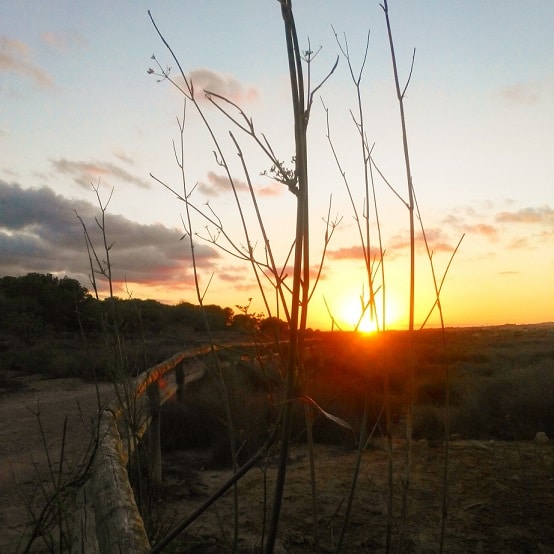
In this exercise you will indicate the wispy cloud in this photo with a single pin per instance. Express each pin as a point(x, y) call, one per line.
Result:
point(482, 229)
point(15, 57)
point(459, 223)
point(225, 85)
point(39, 231)
point(62, 42)
point(469, 220)
point(436, 240)
point(351, 253)
point(520, 243)
point(543, 215)
point(287, 273)
point(273, 189)
point(86, 172)
point(240, 279)
point(521, 93)
point(124, 157)
point(219, 184)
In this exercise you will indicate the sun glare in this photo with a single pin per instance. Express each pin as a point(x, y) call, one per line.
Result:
point(367, 325)
point(351, 313)
point(352, 310)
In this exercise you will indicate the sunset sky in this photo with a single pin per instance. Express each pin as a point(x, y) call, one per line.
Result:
point(78, 106)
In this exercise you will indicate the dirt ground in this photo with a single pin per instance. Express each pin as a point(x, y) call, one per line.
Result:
point(501, 494)
point(23, 457)
point(500, 500)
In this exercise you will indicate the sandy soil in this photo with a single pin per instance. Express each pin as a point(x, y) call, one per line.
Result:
point(23, 459)
point(500, 500)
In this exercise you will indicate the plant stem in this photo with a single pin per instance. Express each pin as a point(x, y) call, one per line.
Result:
point(299, 289)
point(411, 378)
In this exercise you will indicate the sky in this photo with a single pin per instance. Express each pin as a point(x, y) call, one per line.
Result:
point(81, 112)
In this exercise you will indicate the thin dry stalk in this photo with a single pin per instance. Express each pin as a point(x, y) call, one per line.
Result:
point(64, 481)
point(411, 379)
point(437, 303)
point(189, 95)
point(372, 270)
point(235, 478)
point(200, 298)
point(133, 414)
point(300, 256)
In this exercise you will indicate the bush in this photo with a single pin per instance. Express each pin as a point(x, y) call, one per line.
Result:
point(189, 425)
point(201, 421)
point(428, 423)
point(513, 405)
point(11, 384)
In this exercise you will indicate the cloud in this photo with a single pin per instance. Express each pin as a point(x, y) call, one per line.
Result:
point(482, 229)
point(39, 231)
point(287, 274)
point(519, 243)
point(61, 42)
point(230, 277)
point(436, 240)
point(460, 225)
point(351, 253)
point(503, 221)
point(84, 173)
point(520, 93)
point(543, 215)
point(219, 184)
point(225, 85)
point(273, 189)
point(15, 58)
point(239, 278)
point(122, 156)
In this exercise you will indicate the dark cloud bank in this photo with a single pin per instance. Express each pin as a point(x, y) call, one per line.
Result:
point(40, 232)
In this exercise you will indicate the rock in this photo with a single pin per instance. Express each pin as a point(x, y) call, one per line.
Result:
point(542, 438)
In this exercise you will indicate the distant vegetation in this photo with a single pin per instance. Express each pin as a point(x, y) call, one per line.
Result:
point(502, 388)
point(54, 326)
point(502, 378)
point(502, 385)
point(37, 304)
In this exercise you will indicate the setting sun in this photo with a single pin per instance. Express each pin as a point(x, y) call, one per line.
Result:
point(350, 316)
point(367, 325)
point(351, 313)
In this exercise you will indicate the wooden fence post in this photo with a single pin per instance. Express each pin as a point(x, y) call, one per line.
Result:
point(180, 381)
point(154, 432)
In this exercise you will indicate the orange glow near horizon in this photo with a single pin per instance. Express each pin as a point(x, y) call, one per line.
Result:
point(486, 306)
point(351, 310)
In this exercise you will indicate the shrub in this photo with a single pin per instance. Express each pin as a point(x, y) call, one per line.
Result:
point(428, 423)
point(188, 425)
point(10, 383)
point(512, 405)
point(200, 421)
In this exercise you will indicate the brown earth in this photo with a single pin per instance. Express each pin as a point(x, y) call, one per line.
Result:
point(500, 493)
point(23, 457)
point(500, 500)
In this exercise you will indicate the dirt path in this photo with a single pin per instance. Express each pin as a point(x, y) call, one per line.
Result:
point(22, 453)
